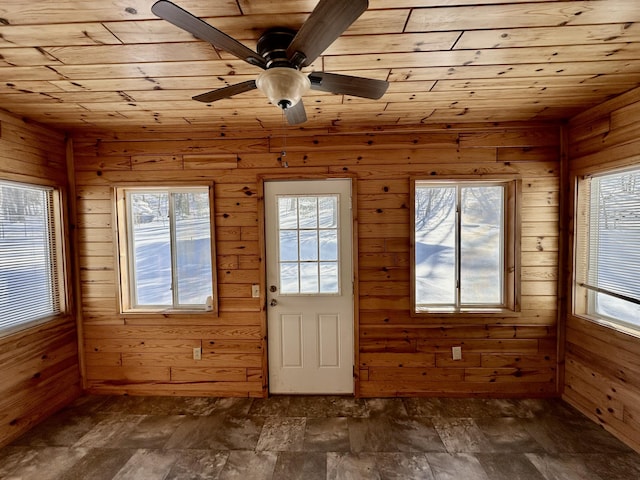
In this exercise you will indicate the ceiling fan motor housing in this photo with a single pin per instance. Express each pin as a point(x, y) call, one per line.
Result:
point(281, 82)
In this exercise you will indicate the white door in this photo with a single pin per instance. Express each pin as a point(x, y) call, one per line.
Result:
point(309, 286)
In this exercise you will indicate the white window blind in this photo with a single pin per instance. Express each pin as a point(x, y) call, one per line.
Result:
point(29, 279)
point(613, 263)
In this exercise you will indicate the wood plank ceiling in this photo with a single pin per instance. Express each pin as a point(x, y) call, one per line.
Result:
point(95, 64)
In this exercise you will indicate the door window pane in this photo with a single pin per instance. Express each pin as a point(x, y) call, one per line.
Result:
point(308, 234)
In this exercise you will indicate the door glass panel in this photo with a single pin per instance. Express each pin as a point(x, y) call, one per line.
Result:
point(329, 277)
point(308, 244)
point(289, 278)
point(328, 245)
point(308, 207)
point(288, 212)
point(308, 278)
point(288, 245)
point(328, 212)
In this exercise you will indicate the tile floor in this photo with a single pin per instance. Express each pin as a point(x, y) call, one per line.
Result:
point(290, 437)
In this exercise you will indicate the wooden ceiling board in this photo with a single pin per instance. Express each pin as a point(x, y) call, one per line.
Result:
point(91, 64)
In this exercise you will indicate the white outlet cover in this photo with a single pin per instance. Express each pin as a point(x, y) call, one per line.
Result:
point(456, 353)
point(255, 291)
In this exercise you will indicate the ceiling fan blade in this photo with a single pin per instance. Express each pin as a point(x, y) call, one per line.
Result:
point(226, 92)
point(327, 22)
point(202, 30)
point(296, 114)
point(348, 85)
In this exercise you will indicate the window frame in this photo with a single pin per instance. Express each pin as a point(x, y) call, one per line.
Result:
point(126, 262)
point(583, 301)
point(58, 251)
point(511, 246)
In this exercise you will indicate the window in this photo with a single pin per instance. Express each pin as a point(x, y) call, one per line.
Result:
point(166, 259)
point(308, 244)
point(31, 256)
point(463, 246)
point(608, 248)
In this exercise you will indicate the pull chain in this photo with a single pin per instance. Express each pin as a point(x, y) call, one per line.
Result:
point(283, 153)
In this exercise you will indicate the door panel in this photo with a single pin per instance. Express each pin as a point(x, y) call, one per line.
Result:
point(310, 286)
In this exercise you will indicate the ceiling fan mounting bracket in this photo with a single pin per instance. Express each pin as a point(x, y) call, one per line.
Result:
point(273, 44)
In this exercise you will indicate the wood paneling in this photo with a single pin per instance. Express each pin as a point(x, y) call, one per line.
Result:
point(39, 365)
point(86, 65)
point(398, 354)
point(602, 364)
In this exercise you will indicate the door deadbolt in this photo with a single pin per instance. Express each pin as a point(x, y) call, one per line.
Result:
point(273, 289)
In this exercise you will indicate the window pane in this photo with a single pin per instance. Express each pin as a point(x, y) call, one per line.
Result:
point(308, 207)
point(481, 251)
point(29, 285)
point(288, 212)
point(308, 245)
point(435, 240)
point(308, 278)
point(193, 247)
point(288, 245)
point(614, 245)
point(151, 249)
point(329, 277)
point(289, 278)
point(328, 212)
point(328, 245)
point(314, 241)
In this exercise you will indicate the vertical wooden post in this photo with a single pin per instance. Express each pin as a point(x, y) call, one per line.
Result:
point(76, 303)
point(564, 267)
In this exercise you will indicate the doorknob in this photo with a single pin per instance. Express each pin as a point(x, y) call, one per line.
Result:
point(274, 302)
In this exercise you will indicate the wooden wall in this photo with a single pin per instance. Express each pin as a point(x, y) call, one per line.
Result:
point(39, 366)
point(398, 354)
point(603, 365)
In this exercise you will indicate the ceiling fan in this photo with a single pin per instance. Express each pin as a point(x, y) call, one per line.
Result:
point(282, 53)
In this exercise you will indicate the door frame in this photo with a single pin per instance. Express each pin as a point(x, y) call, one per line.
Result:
point(263, 269)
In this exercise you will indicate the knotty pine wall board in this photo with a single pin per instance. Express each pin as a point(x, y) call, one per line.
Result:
point(602, 364)
point(398, 354)
point(39, 365)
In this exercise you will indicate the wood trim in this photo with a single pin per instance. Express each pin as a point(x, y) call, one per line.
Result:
point(565, 229)
point(356, 285)
point(74, 259)
point(262, 248)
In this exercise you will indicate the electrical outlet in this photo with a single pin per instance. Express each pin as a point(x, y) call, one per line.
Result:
point(255, 290)
point(456, 353)
point(197, 353)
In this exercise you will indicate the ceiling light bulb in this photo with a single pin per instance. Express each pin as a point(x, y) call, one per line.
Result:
point(283, 86)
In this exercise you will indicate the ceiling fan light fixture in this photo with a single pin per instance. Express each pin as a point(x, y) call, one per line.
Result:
point(283, 86)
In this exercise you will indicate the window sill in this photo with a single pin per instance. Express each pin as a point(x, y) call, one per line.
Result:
point(493, 312)
point(618, 326)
